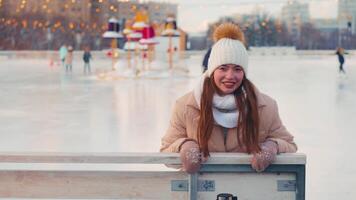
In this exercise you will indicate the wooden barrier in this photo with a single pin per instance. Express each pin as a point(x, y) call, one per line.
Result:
point(144, 176)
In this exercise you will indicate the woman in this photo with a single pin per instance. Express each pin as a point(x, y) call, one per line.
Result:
point(225, 112)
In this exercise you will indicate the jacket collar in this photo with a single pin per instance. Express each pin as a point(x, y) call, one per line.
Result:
point(261, 101)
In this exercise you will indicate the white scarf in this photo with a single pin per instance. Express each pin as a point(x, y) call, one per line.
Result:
point(225, 111)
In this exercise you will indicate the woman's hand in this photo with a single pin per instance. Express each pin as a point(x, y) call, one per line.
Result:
point(260, 161)
point(190, 156)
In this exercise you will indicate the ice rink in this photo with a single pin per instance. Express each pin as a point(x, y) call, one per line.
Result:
point(44, 109)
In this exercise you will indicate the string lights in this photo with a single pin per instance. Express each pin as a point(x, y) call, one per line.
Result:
point(66, 16)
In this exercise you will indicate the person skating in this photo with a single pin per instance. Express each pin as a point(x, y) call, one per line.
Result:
point(340, 55)
point(86, 58)
point(62, 54)
point(69, 59)
point(206, 59)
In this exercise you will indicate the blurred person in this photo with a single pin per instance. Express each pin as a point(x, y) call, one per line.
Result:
point(63, 53)
point(52, 62)
point(86, 58)
point(225, 112)
point(206, 59)
point(340, 55)
point(69, 59)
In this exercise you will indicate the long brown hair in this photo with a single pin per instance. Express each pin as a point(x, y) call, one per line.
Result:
point(248, 120)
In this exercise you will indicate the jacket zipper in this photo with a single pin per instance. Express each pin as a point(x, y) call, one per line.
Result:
point(225, 131)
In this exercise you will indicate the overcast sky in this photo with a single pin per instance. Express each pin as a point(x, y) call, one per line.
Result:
point(194, 15)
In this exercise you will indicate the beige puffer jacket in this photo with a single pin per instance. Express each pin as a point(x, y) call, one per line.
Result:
point(184, 123)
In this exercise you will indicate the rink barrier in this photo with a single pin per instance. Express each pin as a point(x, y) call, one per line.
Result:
point(100, 176)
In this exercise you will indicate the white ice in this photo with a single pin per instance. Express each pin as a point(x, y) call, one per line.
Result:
point(43, 109)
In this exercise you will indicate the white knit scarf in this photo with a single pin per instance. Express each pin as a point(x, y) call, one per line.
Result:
point(224, 107)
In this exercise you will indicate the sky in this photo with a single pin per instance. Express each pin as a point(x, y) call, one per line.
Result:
point(194, 15)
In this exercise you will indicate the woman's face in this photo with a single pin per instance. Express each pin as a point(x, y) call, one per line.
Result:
point(228, 78)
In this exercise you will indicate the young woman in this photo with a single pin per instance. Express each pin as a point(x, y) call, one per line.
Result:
point(226, 112)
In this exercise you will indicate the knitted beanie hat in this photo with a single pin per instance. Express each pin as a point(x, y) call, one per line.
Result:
point(229, 48)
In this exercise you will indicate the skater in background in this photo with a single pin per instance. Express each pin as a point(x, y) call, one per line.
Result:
point(63, 53)
point(69, 59)
point(205, 60)
point(340, 54)
point(86, 58)
point(226, 112)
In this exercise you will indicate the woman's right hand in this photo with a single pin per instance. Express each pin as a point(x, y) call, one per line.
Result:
point(190, 156)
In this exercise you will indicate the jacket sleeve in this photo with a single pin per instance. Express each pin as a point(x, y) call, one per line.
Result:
point(176, 134)
point(280, 134)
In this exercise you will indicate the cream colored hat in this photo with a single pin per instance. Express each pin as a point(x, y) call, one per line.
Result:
point(229, 48)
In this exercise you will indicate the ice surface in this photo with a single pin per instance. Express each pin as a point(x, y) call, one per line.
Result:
point(44, 109)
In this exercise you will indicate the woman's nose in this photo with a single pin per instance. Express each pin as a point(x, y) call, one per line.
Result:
point(230, 73)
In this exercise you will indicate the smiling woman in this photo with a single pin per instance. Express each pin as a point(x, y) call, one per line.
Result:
point(226, 112)
point(228, 78)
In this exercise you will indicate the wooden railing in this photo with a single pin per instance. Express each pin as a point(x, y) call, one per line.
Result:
point(144, 176)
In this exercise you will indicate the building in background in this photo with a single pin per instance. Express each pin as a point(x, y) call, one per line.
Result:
point(197, 41)
point(46, 24)
point(294, 14)
point(76, 10)
point(326, 26)
point(346, 23)
point(347, 15)
point(98, 11)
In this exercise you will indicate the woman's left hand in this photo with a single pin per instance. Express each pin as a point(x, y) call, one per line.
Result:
point(260, 161)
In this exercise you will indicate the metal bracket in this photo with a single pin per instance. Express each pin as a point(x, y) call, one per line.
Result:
point(286, 185)
point(183, 185)
point(179, 185)
point(209, 185)
point(206, 185)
